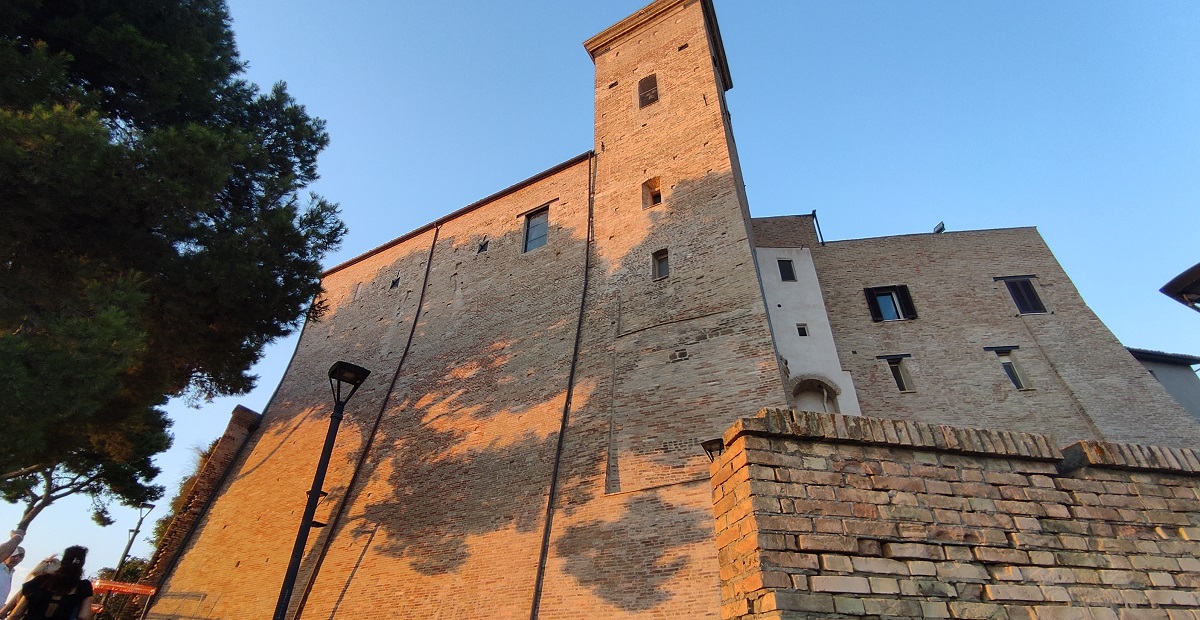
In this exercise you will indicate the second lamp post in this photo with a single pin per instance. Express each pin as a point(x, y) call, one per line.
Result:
point(342, 375)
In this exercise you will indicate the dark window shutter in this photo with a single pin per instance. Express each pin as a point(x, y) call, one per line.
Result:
point(906, 304)
point(1025, 296)
point(873, 304)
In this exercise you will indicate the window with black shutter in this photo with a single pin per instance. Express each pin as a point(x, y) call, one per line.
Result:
point(890, 303)
point(1023, 294)
point(647, 90)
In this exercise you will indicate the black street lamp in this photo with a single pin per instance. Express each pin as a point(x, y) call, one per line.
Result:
point(341, 375)
point(713, 448)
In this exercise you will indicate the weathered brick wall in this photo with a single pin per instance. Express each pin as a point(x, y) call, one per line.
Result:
point(828, 516)
point(1083, 383)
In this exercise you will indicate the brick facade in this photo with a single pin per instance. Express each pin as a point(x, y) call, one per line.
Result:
point(528, 443)
point(829, 516)
point(1082, 384)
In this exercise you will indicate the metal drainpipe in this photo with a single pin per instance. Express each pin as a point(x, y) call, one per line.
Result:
point(362, 457)
point(566, 414)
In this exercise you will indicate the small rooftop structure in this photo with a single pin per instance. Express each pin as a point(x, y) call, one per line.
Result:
point(1185, 288)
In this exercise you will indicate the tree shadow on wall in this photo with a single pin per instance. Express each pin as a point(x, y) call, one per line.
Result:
point(468, 443)
point(628, 562)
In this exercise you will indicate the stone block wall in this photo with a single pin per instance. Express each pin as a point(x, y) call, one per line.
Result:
point(829, 516)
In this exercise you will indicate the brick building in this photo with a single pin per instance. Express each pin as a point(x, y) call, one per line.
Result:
point(547, 361)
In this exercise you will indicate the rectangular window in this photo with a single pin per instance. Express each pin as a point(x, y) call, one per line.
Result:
point(537, 227)
point(661, 265)
point(647, 90)
point(1008, 362)
point(899, 371)
point(1023, 294)
point(890, 303)
point(787, 271)
point(802, 329)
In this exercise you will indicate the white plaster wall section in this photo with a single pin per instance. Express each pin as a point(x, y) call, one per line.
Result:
point(790, 304)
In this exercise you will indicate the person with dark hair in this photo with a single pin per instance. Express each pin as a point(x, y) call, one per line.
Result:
point(60, 595)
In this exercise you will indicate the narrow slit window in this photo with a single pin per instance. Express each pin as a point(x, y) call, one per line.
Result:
point(802, 329)
point(899, 370)
point(647, 90)
point(787, 271)
point(537, 228)
point(661, 264)
point(1008, 363)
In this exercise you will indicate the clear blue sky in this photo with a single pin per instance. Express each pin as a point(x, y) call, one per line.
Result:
point(1079, 117)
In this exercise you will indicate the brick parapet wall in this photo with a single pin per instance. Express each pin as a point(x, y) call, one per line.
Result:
point(827, 516)
point(242, 423)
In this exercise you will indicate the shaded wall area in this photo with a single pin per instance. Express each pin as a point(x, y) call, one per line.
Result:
point(829, 516)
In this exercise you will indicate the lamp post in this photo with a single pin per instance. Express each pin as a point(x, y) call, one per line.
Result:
point(342, 375)
point(144, 509)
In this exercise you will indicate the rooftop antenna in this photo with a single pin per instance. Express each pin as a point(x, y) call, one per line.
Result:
point(941, 227)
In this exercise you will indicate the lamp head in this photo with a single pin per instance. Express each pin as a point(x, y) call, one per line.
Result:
point(147, 506)
point(345, 373)
point(713, 448)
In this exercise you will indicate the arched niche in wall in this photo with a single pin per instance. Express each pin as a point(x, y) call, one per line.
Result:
point(812, 393)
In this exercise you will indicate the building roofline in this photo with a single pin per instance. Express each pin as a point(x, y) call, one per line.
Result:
point(1148, 355)
point(601, 42)
point(471, 207)
point(928, 234)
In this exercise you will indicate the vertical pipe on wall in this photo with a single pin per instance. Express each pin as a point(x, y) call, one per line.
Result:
point(566, 414)
point(362, 457)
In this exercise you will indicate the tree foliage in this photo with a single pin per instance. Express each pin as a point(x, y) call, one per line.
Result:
point(155, 237)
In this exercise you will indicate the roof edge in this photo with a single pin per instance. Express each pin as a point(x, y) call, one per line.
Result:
point(471, 207)
point(600, 43)
point(1149, 355)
